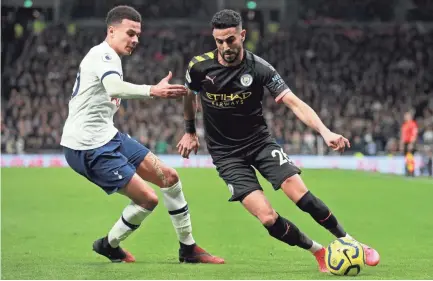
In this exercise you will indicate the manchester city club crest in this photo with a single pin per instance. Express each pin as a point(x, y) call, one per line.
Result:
point(246, 80)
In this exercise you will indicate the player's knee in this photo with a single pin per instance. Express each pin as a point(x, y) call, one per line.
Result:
point(172, 177)
point(268, 217)
point(294, 188)
point(153, 200)
point(149, 200)
point(289, 181)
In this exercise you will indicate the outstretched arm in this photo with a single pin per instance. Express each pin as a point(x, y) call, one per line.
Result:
point(117, 88)
point(282, 93)
point(310, 118)
point(303, 111)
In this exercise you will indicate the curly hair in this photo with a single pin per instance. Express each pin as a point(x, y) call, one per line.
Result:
point(226, 19)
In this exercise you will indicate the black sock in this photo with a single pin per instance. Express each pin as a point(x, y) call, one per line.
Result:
point(321, 214)
point(338, 231)
point(288, 233)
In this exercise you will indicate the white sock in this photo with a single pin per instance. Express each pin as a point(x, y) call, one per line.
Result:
point(348, 236)
point(177, 207)
point(316, 247)
point(131, 218)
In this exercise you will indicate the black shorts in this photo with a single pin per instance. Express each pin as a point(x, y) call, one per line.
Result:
point(407, 150)
point(239, 174)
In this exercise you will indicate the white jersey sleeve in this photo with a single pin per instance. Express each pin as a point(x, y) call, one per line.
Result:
point(91, 109)
point(107, 64)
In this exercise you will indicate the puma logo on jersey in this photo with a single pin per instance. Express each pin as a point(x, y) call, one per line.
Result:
point(211, 79)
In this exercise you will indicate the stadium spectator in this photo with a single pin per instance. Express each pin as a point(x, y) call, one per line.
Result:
point(359, 10)
point(357, 78)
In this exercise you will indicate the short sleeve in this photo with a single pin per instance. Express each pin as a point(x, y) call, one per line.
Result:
point(273, 81)
point(192, 78)
point(107, 63)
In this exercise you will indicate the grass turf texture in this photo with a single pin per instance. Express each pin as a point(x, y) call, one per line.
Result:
point(50, 218)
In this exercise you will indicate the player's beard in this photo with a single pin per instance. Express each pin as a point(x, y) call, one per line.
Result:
point(232, 58)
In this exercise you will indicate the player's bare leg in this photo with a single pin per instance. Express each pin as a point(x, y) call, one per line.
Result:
point(296, 190)
point(143, 201)
point(280, 228)
point(153, 170)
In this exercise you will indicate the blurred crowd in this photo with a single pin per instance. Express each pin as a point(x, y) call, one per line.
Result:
point(358, 10)
point(366, 10)
point(360, 80)
point(149, 9)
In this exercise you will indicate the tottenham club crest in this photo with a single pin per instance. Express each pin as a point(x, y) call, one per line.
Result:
point(246, 80)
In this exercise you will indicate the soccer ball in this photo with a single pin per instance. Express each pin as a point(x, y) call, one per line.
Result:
point(345, 256)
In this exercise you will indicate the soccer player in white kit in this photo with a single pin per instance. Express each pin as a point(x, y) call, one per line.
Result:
point(95, 149)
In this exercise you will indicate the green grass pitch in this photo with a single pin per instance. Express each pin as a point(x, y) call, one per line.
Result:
point(50, 218)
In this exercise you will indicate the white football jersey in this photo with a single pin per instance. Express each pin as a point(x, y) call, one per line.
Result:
point(90, 120)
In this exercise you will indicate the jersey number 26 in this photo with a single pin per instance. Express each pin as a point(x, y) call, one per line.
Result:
point(282, 155)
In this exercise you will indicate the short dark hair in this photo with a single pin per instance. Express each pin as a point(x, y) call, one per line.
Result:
point(225, 19)
point(119, 13)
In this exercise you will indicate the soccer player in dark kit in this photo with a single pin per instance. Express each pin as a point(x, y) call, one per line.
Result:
point(230, 82)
